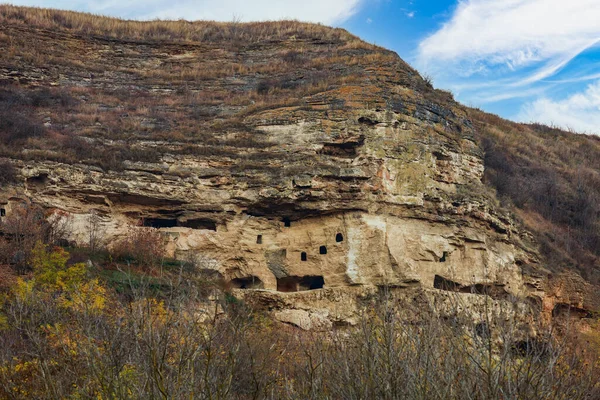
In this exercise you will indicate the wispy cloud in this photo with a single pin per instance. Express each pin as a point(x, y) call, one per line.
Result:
point(580, 111)
point(513, 34)
point(510, 50)
point(324, 11)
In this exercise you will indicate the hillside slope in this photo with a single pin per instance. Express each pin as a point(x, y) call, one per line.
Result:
point(551, 179)
point(292, 157)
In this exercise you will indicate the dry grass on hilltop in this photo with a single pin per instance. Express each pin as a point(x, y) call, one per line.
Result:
point(71, 81)
point(197, 31)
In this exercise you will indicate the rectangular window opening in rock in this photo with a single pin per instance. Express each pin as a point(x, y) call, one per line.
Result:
point(2, 212)
point(259, 239)
point(444, 256)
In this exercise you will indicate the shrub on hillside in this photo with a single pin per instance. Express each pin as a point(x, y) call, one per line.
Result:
point(16, 127)
point(26, 225)
point(142, 245)
point(552, 176)
point(143, 347)
point(8, 173)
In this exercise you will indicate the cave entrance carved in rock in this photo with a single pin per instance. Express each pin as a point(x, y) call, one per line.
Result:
point(249, 282)
point(159, 222)
point(290, 284)
point(166, 222)
point(439, 282)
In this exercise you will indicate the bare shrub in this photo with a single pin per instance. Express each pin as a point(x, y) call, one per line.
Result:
point(143, 245)
point(428, 352)
point(185, 347)
point(95, 231)
point(59, 228)
point(21, 229)
point(293, 57)
point(26, 225)
point(15, 127)
point(8, 173)
point(548, 175)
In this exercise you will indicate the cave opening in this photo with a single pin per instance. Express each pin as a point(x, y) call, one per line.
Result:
point(312, 282)
point(159, 222)
point(290, 284)
point(339, 238)
point(477, 288)
point(303, 256)
point(2, 212)
point(39, 180)
point(287, 222)
point(323, 250)
point(565, 310)
point(439, 282)
point(259, 239)
point(367, 121)
point(249, 282)
point(199, 223)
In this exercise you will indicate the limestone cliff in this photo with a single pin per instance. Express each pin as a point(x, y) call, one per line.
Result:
point(304, 166)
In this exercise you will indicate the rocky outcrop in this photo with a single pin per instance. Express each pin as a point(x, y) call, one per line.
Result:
point(304, 207)
point(398, 210)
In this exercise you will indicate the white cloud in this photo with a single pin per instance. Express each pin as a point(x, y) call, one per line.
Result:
point(410, 14)
point(512, 34)
point(324, 11)
point(580, 111)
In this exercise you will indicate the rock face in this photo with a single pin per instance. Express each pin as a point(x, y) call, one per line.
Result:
point(358, 184)
point(403, 209)
point(392, 213)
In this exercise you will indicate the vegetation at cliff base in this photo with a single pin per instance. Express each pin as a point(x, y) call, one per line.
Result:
point(137, 325)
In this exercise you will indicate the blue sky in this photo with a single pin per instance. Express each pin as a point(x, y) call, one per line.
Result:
point(526, 60)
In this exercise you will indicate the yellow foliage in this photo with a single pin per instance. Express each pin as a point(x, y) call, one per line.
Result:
point(75, 290)
point(23, 290)
point(153, 308)
point(50, 268)
point(88, 296)
point(3, 322)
